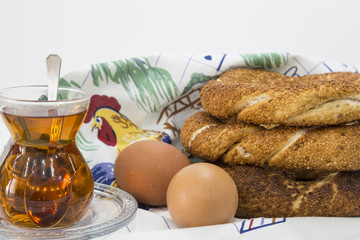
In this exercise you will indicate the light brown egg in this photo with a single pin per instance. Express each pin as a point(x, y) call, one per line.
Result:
point(144, 169)
point(202, 194)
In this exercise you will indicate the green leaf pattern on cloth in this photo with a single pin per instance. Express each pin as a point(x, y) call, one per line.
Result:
point(197, 78)
point(71, 83)
point(265, 60)
point(145, 84)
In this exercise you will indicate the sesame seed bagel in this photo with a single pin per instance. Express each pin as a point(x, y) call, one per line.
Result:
point(270, 99)
point(334, 148)
point(264, 193)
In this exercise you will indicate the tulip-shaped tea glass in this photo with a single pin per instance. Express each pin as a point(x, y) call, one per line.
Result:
point(44, 179)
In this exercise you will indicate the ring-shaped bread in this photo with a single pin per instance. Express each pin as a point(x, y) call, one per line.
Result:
point(271, 99)
point(334, 148)
point(265, 193)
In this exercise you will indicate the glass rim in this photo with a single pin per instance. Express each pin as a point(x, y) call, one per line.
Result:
point(5, 100)
point(26, 105)
point(86, 93)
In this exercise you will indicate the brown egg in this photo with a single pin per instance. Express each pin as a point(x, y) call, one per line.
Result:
point(202, 194)
point(144, 169)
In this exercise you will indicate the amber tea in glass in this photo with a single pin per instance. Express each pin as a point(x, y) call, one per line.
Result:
point(44, 179)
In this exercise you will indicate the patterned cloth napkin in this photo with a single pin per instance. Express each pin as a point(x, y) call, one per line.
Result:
point(150, 98)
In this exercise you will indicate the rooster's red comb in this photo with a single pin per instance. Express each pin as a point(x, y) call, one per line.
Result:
point(97, 101)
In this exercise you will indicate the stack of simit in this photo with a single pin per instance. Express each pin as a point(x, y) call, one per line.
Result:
point(291, 144)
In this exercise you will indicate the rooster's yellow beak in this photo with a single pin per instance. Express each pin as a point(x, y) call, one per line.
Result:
point(95, 125)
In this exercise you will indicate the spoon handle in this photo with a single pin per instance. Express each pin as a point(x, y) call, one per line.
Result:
point(53, 64)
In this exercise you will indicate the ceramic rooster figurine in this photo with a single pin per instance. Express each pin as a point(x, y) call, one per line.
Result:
point(114, 128)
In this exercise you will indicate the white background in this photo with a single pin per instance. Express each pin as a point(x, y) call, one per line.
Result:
point(83, 32)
